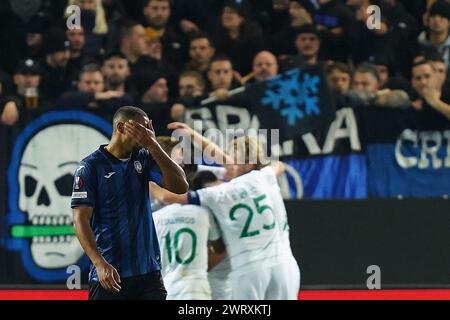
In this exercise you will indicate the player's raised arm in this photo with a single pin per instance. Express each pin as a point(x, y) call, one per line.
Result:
point(201, 142)
point(173, 177)
point(165, 196)
point(278, 166)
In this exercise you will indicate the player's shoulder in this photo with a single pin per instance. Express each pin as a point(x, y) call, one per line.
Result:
point(92, 159)
point(222, 188)
point(86, 165)
point(195, 209)
point(266, 173)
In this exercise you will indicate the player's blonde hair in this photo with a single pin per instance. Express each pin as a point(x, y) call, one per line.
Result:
point(248, 150)
point(167, 143)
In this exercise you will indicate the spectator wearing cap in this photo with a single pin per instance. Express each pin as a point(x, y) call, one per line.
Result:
point(308, 44)
point(115, 72)
point(335, 21)
point(427, 90)
point(26, 95)
point(91, 92)
point(23, 23)
point(389, 79)
point(201, 51)
point(283, 43)
point(237, 37)
point(437, 35)
point(157, 16)
point(151, 87)
point(57, 75)
point(153, 94)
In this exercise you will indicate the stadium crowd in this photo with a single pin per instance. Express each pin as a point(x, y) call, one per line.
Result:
point(167, 53)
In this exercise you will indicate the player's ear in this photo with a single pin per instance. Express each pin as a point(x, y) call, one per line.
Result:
point(120, 127)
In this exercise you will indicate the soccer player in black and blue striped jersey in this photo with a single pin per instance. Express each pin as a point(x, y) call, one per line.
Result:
point(112, 213)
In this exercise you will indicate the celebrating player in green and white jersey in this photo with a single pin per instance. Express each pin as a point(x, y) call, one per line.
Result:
point(253, 232)
point(183, 233)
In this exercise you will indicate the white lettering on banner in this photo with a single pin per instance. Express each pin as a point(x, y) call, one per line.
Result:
point(431, 142)
point(201, 113)
point(427, 145)
point(402, 160)
point(343, 127)
point(447, 159)
point(336, 132)
point(245, 121)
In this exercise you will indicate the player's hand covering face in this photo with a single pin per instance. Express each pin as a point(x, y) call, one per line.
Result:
point(142, 134)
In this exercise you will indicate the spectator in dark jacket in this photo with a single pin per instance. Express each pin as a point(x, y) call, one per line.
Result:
point(58, 76)
point(283, 43)
point(77, 40)
point(308, 44)
point(438, 33)
point(201, 50)
point(366, 41)
point(157, 14)
point(115, 72)
point(26, 95)
point(91, 92)
point(237, 37)
point(335, 21)
point(427, 89)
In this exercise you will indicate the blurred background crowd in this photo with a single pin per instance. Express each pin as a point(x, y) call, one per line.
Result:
point(170, 53)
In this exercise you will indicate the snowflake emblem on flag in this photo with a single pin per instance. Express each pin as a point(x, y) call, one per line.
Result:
point(294, 94)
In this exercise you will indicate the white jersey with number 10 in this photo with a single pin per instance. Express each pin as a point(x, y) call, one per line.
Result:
point(183, 234)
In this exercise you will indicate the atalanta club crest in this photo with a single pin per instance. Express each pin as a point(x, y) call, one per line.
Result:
point(138, 166)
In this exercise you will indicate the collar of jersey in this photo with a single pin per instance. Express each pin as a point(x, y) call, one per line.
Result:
point(110, 156)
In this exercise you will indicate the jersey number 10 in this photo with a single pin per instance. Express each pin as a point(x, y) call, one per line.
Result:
point(175, 250)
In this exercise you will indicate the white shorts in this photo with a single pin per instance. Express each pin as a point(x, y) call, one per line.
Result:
point(292, 270)
point(220, 288)
point(264, 284)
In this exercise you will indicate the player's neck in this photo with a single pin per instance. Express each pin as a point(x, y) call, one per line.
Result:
point(117, 150)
